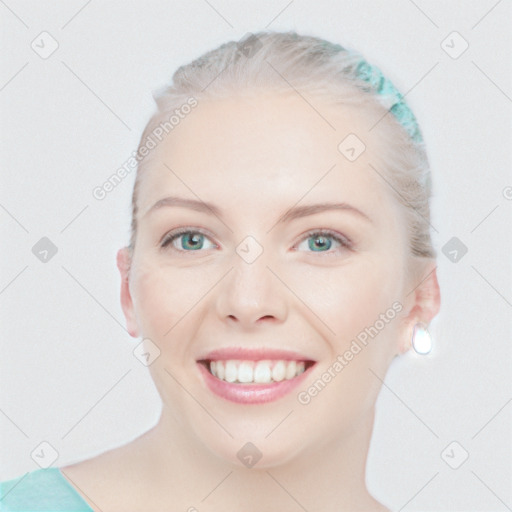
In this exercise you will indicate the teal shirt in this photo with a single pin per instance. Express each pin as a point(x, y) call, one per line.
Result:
point(42, 490)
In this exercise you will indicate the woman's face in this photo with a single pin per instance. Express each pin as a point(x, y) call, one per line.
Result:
point(254, 281)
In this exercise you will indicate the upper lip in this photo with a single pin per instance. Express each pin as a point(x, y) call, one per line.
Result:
point(253, 354)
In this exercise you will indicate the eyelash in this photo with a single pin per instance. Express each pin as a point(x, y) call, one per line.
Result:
point(344, 242)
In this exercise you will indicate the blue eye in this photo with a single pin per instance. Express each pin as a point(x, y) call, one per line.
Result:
point(190, 240)
point(187, 240)
point(322, 241)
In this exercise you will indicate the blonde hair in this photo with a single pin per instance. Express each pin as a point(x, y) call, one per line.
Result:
point(283, 61)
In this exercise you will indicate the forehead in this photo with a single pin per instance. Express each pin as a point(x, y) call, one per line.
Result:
point(273, 148)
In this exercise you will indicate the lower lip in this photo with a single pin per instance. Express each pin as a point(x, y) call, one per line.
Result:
point(250, 393)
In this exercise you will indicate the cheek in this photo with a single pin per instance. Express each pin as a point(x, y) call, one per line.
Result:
point(352, 301)
point(156, 295)
point(351, 297)
point(164, 295)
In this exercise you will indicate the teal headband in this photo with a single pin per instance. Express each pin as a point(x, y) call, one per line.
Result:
point(399, 108)
point(390, 96)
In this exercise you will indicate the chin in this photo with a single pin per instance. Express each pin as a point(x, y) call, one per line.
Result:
point(255, 454)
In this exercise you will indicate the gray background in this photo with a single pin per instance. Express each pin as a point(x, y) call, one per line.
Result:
point(70, 120)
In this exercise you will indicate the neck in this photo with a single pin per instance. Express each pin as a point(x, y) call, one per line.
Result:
point(325, 479)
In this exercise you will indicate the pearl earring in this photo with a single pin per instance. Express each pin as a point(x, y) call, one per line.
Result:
point(421, 339)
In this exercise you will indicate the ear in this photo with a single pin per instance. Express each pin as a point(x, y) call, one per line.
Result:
point(123, 264)
point(423, 304)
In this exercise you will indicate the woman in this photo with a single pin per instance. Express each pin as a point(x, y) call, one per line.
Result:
point(280, 259)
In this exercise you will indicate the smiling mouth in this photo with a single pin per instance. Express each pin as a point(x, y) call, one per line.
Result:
point(266, 371)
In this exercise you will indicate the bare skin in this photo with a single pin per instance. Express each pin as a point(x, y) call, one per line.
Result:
point(128, 477)
point(254, 159)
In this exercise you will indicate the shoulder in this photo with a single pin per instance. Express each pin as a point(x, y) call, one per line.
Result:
point(45, 490)
point(110, 480)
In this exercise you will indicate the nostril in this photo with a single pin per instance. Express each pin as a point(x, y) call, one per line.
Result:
point(266, 317)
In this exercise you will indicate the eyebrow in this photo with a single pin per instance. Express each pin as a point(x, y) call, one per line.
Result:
point(291, 214)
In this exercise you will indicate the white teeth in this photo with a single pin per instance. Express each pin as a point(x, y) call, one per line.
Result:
point(291, 370)
point(279, 371)
point(231, 371)
point(261, 372)
point(245, 372)
point(219, 370)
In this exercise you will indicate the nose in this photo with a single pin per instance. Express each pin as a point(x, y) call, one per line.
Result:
point(251, 295)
